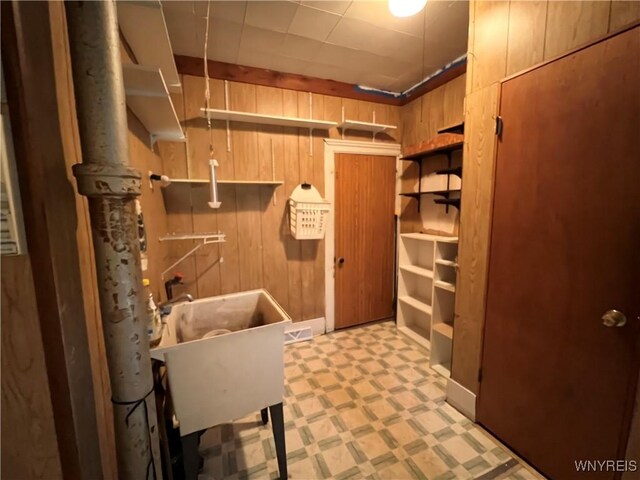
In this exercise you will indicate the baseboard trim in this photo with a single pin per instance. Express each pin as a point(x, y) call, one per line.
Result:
point(461, 399)
point(317, 325)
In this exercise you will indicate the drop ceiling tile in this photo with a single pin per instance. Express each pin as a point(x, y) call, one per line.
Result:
point(288, 64)
point(351, 33)
point(224, 41)
point(332, 72)
point(409, 50)
point(230, 11)
point(339, 56)
point(312, 23)
point(185, 32)
point(253, 58)
point(299, 47)
point(359, 35)
point(338, 7)
point(261, 40)
point(271, 15)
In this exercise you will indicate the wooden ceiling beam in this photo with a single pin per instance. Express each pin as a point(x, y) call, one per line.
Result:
point(291, 81)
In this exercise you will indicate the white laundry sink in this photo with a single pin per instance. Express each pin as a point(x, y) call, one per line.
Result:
point(228, 375)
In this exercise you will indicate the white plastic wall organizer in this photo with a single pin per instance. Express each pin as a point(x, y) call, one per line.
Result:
point(308, 213)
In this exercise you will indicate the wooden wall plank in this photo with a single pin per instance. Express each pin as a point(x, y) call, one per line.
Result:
point(588, 20)
point(475, 221)
point(490, 42)
point(152, 203)
point(244, 146)
point(273, 200)
point(527, 22)
point(319, 182)
point(291, 180)
point(308, 248)
point(227, 214)
point(174, 154)
point(26, 452)
point(623, 12)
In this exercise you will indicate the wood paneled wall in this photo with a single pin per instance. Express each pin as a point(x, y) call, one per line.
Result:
point(421, 120)
point(259, 252)
point(506, 37)
point(29, 444)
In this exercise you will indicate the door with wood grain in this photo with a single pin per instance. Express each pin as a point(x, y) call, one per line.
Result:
point(559, 366)
point(364, 238)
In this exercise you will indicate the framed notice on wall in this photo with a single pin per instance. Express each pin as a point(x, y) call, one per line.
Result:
point(12, 238)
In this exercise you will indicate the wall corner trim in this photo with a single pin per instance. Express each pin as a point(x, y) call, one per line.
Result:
point(461, 399)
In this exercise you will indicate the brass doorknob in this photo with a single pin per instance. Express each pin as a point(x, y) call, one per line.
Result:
point(614, 318)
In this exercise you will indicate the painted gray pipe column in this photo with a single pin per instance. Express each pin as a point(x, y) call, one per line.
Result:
point(112, 185)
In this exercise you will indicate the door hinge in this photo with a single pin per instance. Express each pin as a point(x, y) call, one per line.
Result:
point(499, 126)
point(480, 375)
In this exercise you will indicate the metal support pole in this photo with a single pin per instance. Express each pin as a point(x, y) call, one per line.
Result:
point(112, 185)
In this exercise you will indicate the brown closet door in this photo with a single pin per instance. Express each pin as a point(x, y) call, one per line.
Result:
point(557, 385)
point(364, 236)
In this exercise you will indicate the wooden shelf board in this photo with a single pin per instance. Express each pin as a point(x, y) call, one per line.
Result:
point(420, 271)
point(443, 143)
point(149, 99)
point(446, 263)
point(365, 126)
point(443, 329)
point(429, 238)
point(416, 334)
point(453, 128)
point(444, 286)
point(417, 304)
point(247, 117)
point(442, 370)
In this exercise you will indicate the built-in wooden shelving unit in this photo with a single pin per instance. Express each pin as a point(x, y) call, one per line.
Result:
point(443, 144)
point(427, 268)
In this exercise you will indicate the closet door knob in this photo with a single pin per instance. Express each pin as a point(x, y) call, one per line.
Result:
point(614, 318)
point(340, 260)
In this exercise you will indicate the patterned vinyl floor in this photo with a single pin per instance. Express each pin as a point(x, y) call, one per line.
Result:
point(361, 403)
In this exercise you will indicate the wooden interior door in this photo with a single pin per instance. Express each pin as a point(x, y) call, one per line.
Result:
point(557, 385)
point(364, 238)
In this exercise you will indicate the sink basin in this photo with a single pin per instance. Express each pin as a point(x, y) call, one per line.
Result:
point(238, 368)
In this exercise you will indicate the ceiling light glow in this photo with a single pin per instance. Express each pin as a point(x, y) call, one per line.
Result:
point(406, 8)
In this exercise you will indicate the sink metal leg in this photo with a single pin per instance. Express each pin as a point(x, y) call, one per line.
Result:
point(190, 457)
point(264, 413)
point(277, 424)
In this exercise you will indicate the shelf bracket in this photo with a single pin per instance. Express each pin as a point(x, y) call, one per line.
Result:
point(207, 239)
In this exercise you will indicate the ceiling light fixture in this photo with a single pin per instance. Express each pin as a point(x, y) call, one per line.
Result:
point(406, 8)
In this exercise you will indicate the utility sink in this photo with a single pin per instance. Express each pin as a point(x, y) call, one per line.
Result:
point(224, 357)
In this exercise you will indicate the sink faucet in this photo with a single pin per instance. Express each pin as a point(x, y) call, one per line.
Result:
point(165, 307)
